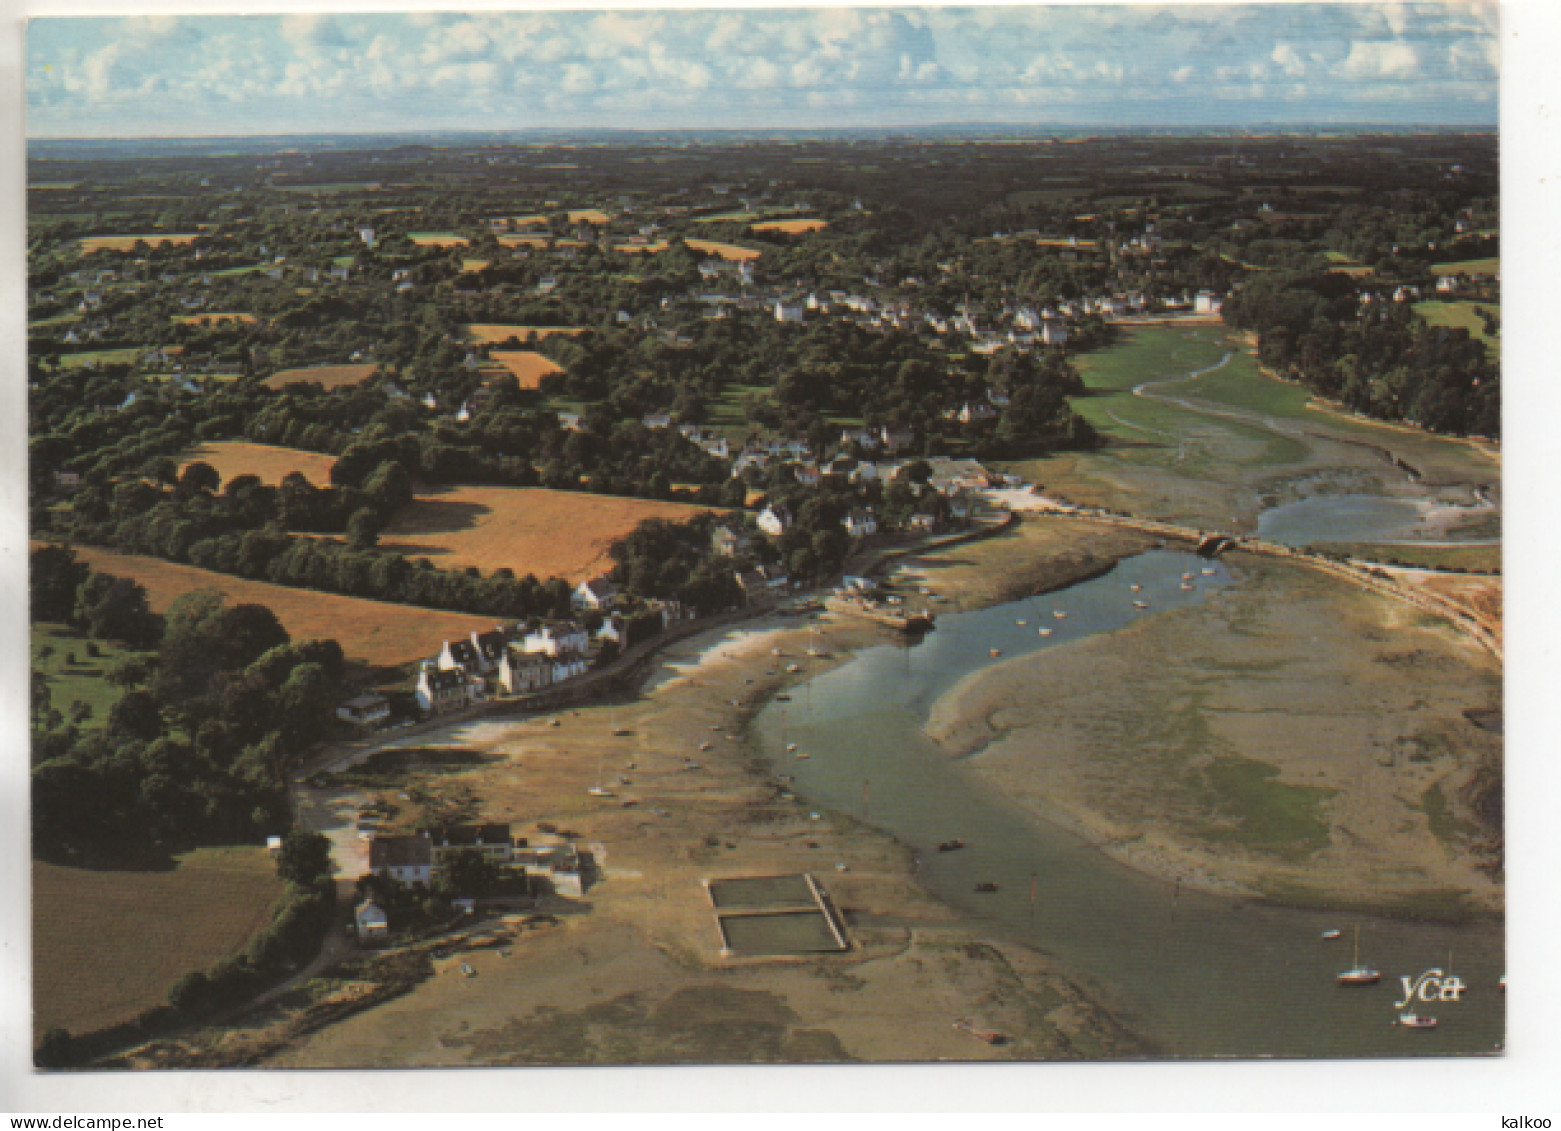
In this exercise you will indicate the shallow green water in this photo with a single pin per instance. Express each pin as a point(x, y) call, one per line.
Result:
point(1196, 975)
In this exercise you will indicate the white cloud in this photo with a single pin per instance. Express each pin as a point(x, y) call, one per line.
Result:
point(1378, 60)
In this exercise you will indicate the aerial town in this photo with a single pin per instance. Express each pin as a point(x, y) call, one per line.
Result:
point(764, 597)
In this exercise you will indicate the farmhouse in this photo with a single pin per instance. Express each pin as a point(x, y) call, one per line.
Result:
point(554, 638)
point(405, 859)
point(727, 542)
point(458, 655)
point(489, 648)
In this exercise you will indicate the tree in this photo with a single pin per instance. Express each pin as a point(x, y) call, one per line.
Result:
point(135, 715)
point(363, 529)
point(199, 477)
point(304, 857)
point(56, 576)
point(467, 872)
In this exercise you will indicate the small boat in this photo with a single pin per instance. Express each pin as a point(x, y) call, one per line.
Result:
point(1140, 604)
point(790, 746)
point(995, 651)
point(1135, 587)
point(1501, 983)
point(622, 732)
point(1044, 631)
point(1186, 585)
point(1021, 623)
point(803, 754)
point(951, 845)
point(986, 886)
point(1059, 614)
point(814, 652)
point(1208, 573)
point(783, 698)
point(1186, 577)
point(775, 651)
point(706, 745)
point(1358, 974)
point(555, 723)
point(1332, 933)
point(467, 970)
point(1415, 1021)
point(794, 667)
point(599, 791)
point(989, 1036)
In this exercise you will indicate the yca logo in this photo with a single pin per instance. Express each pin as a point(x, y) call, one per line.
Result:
point(1433, 985)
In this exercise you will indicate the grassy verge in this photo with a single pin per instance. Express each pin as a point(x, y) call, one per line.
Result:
point(1458, 559)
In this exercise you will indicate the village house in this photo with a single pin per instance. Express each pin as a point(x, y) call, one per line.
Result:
point(756, 586)
point(894, 439)
point(493, 840)
point(439, 690)
point(371, 922)
point(728, 542)
point(596, 593)
point(556, 638)
point(521, 672)
point(775, 519)
point(1204, 302)
point(489, 648)
point(364, 710)
point(458, 655)
point(789, 311)
point(657, 420)
point(405, 859)
point(860, 522)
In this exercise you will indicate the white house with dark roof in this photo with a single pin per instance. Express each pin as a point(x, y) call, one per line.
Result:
point(458, 655)
point(596, 593)
point(439, 689)
point(521, 672)
point(405, 859)
point(775, 519)
point(364, 710)
point(860, 522)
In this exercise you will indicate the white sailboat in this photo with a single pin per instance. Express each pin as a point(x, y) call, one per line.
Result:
point(1358, 974)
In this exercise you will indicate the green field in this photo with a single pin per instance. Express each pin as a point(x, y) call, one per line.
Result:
point(66, 318)
point(80, 682)
point(1461, 316)
point(1491, 266)
point(125, 356)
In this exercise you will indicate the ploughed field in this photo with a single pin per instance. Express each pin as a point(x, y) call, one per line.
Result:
point(375, 633)
point(109, 944)
point(272, 464)
point(526, 529)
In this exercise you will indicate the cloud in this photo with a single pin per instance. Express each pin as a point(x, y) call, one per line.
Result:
point(648, 68)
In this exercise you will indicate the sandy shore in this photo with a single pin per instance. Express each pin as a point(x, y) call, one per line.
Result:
point(634, 972)
point(1293, 737)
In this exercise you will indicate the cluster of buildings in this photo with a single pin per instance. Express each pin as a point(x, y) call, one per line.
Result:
point(418, 859)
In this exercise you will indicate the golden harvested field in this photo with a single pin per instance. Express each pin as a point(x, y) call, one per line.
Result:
point(89, 244)
point(524, 241)
point(107, 945)
point(528, 366)
point(641, 248)
point(472, 266)
point(375, 633)
point(437, 239)
point(589, 215)
point(491, 333)
point(527, 529)
point(213, 319)
point(232, 458)
point(727, 251)
point(331, 376)
point(792, 227)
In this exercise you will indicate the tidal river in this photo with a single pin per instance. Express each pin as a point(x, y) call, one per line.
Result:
point(1197, 975)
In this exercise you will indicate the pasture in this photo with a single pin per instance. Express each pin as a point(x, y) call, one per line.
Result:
point(791, 227)
point(492, 333)
point(727, 251)
point(1461, 316)
point(89, 244)
point(437, 239)
point(60, 652)
point(1491, 266)
point(528, 366)
point(214, 319)
point(373, 633)
point(330, 376)
point(109, 944)
point(526, 529)
point(127, 355)
point(272, 464)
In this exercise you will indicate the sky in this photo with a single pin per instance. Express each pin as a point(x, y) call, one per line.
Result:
point(650, 69)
